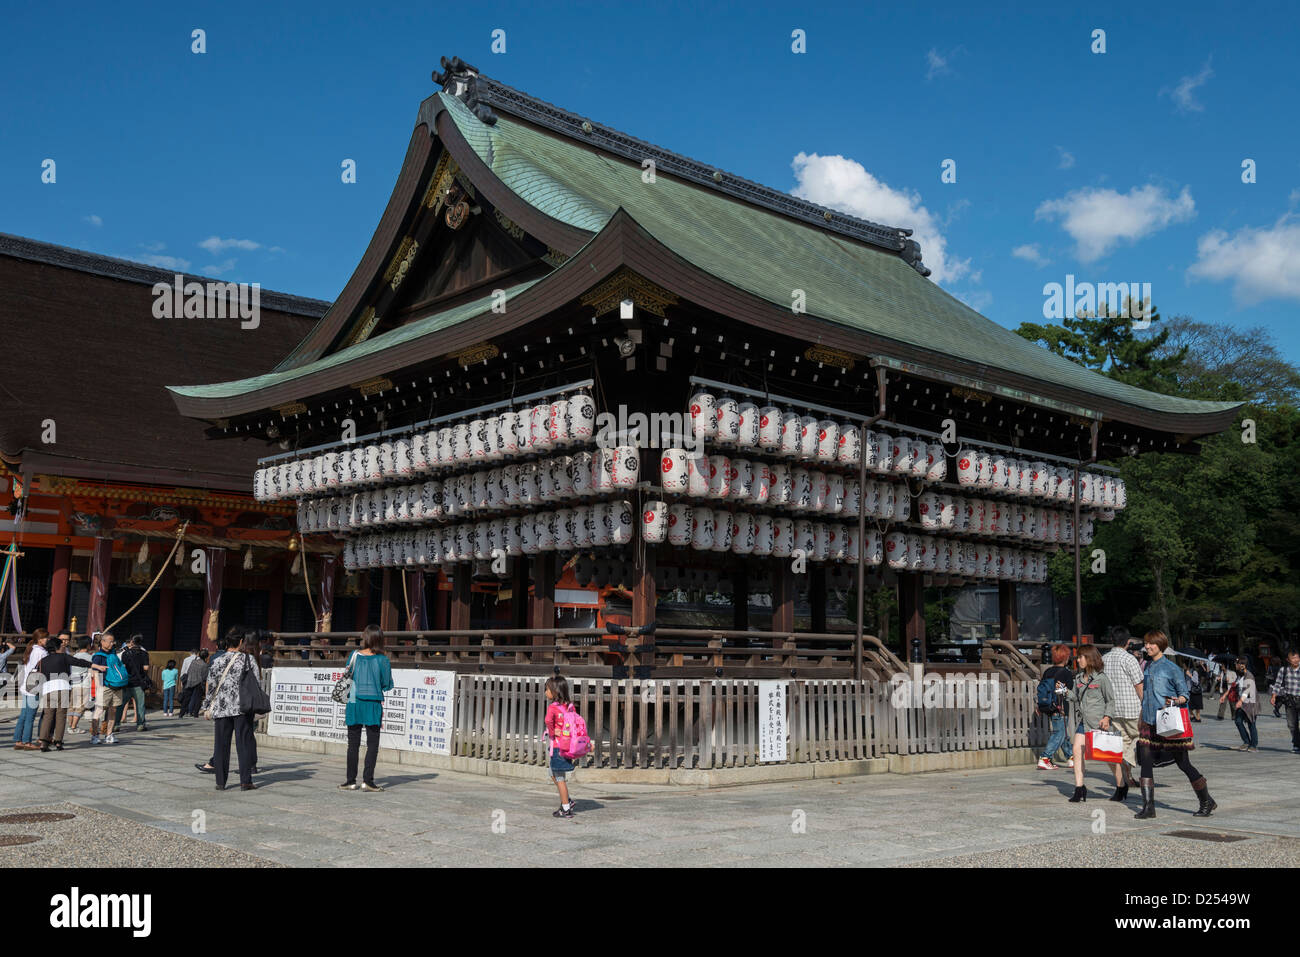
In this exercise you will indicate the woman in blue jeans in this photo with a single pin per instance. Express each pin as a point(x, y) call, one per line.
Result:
point(25, 729)
point(1246, 708)
point(1060, 732)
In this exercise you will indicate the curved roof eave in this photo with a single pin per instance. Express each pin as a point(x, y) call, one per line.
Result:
point(624, 242)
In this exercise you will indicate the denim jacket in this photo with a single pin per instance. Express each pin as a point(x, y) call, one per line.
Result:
point(1162, 679)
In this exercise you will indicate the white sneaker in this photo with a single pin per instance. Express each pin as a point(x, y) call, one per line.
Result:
point(110, 740)
point(76, 731)
point(96, 739)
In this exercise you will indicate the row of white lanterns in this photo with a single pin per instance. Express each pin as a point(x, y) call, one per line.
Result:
point(537, 430)
point(743, 425)
point(740, 533)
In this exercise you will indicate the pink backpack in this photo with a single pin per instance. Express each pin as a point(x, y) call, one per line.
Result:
point(571, 740)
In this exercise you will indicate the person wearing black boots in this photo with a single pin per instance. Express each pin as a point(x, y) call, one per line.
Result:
point(1163, 685)
point(1092, 701)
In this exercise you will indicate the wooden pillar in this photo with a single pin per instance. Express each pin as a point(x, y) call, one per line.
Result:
point(389, 613)
point(58, 616)
point(414, 599)
point(543, 604)
point(101, 563)
point(1010, 627)
point(460, 595)
point(166, 616)
point(644, 597)
point(911, 594)
point(782, 596)
point(440, 617)
point(519, 593)
point(817, 597)
point(740, 598)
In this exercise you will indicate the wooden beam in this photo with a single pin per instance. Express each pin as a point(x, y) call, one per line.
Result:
point(519, 593)
point(390, 614)
point(644, 597)
point(543, 604)
point(460, 592)
point(782, 596)
point(58, 615)
point(1010, 624)
point(911, 593)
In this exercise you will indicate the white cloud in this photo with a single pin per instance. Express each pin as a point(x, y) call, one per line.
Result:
point(846, 185)
point(1099, 219)
point(1262, 263)
point(154, 247)
point(218, 269)
point(1066, 158)
point(1184, 93)
point(977, 299)
point(166, 262)
point(214, 244)
point(935, 64)
point(1030, 253)
point(93, 220)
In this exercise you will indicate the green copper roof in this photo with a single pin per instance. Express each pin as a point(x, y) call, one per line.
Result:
point(771, 256)
point(417, 329)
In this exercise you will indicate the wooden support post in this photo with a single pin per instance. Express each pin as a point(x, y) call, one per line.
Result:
point(911, 590)
point(817, 597)
point(363, 602)
point(1010, 627)
point(58, 616)
point(390, 613)
point(644, 599)
point(782, 596)
point(543, 604)
point(460, 594)
point(440, 617)
point(275, 601)
point(739, 597)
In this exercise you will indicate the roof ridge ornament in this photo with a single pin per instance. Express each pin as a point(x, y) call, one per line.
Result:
point(461, 80)
point(483, 95)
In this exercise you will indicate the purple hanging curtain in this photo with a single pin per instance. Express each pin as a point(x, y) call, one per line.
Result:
point(13, 594)
point(326, 606)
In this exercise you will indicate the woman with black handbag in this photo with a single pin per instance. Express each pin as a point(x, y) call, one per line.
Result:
point(231, 703)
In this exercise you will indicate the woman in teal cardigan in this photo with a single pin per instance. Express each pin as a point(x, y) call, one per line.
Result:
point(372, 675)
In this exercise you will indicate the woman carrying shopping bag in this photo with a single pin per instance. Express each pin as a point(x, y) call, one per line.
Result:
point(1164, 692)
point(1092, 702)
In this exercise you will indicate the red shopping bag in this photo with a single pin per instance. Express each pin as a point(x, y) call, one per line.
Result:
point(1103, 746)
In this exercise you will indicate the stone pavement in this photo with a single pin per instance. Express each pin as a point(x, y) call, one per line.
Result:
point(1012, 817)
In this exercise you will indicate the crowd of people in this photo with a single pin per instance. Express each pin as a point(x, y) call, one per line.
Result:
point(1123, 691)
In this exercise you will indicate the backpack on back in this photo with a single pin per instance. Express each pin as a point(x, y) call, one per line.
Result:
point(116, 676)
point(1047, 703)
point(572, 740)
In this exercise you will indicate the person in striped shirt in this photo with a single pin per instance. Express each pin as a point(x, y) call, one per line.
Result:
point(1286, 691)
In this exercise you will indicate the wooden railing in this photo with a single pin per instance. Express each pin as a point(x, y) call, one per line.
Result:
point(687, 723)
point(675, 652)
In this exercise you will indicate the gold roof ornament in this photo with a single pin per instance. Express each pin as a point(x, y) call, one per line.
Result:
point(625, 284)
point(829, 356)
point(475, 354)
point(401, 264)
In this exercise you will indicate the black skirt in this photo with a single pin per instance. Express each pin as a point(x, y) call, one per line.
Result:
point(1196, 702)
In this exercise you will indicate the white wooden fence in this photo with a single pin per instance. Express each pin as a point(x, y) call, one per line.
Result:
point(688, 723)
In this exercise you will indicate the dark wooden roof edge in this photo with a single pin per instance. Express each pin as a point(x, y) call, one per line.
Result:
point(400, 209)
point(483, 94)
point(110, 267)
point(624, 242)
point(35, 462)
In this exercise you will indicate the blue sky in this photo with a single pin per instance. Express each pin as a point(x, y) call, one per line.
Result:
point(1123, 166)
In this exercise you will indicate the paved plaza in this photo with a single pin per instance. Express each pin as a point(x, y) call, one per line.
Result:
point(146, 799)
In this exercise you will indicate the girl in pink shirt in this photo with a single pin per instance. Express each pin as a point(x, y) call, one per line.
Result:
point(557, 694)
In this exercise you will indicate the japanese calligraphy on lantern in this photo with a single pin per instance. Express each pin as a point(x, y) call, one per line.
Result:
point(418, 711)
point(771, 721)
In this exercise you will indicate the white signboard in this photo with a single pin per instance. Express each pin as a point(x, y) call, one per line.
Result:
point(418, 711)
point(771, 721)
